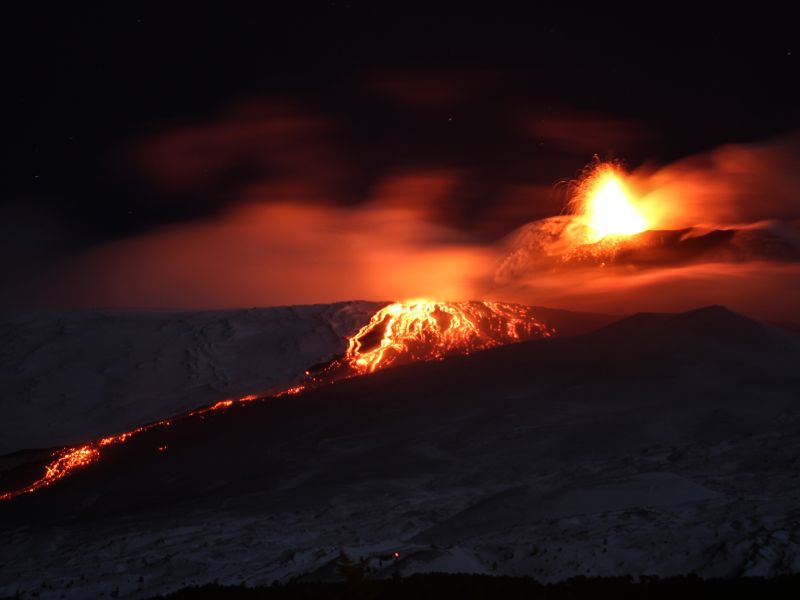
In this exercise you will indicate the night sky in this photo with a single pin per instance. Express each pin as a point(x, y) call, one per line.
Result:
point(348, 93)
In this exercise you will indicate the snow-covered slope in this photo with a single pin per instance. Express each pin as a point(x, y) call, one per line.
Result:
point(662, 444)
point(68, 377)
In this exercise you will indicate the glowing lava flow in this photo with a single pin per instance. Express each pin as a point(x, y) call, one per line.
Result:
point(67, 460)
point(421, 330)
point(399, 333)
point(604, 204)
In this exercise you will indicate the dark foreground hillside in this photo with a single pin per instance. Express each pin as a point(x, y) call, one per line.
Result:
point(659, 445)
point(469, 587)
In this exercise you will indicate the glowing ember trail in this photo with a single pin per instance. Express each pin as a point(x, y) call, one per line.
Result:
point(399, 333)
point(605, 206)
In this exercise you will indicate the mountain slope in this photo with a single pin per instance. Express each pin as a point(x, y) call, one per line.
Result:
point(65, 377)
point(68, 377)
point(661, 444)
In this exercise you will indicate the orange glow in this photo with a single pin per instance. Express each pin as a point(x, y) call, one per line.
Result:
point(418, 330)
point(68, 460)
point(291, 391)
point(63, 463)
point(605, 206)
point(423, 330)
point(284, 248)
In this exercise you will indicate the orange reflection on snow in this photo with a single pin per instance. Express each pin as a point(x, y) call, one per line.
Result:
point(423, 330)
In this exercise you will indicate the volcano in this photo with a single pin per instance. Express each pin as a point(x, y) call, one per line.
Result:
point(606, 225)
point(597, 454)
point(546, 246)
point(399, 333)
point(422, 330)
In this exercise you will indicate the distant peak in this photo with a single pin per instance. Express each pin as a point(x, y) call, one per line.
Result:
point(713, 322)
point(716, 315)
point(714, 309)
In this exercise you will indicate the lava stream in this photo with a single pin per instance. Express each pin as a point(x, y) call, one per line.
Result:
point(66, 460)
point(422, 330)
point(399, 333)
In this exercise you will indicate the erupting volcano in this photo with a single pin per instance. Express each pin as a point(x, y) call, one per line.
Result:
point(400, 333)
point(604, 204)
point(603, 218)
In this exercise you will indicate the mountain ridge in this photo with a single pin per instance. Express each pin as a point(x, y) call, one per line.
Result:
point(604, 452)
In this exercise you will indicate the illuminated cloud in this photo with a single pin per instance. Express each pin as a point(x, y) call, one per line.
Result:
point(289, 250)
point(722, 227)
point(429, 91)
point(247, 143)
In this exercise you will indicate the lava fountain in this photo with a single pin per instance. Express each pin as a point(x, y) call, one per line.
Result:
point(605, 206)
point(402, 332)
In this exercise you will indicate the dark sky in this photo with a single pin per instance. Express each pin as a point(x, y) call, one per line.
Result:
point(83, 82)
point(508, 97)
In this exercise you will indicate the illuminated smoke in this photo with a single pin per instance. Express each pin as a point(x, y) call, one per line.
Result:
point(721, 228)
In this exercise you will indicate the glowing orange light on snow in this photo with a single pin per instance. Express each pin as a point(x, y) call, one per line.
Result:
point(605, 205)
point(423, 330)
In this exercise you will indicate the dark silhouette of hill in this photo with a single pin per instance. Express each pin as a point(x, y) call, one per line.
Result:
point(438, 586)
point(569, 323)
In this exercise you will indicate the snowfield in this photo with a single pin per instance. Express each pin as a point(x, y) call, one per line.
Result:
point(69, 377)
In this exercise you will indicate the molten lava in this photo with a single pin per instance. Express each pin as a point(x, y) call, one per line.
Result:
point(66, 460)
point(399, 333)
point(422, 330)
point(604, 204)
